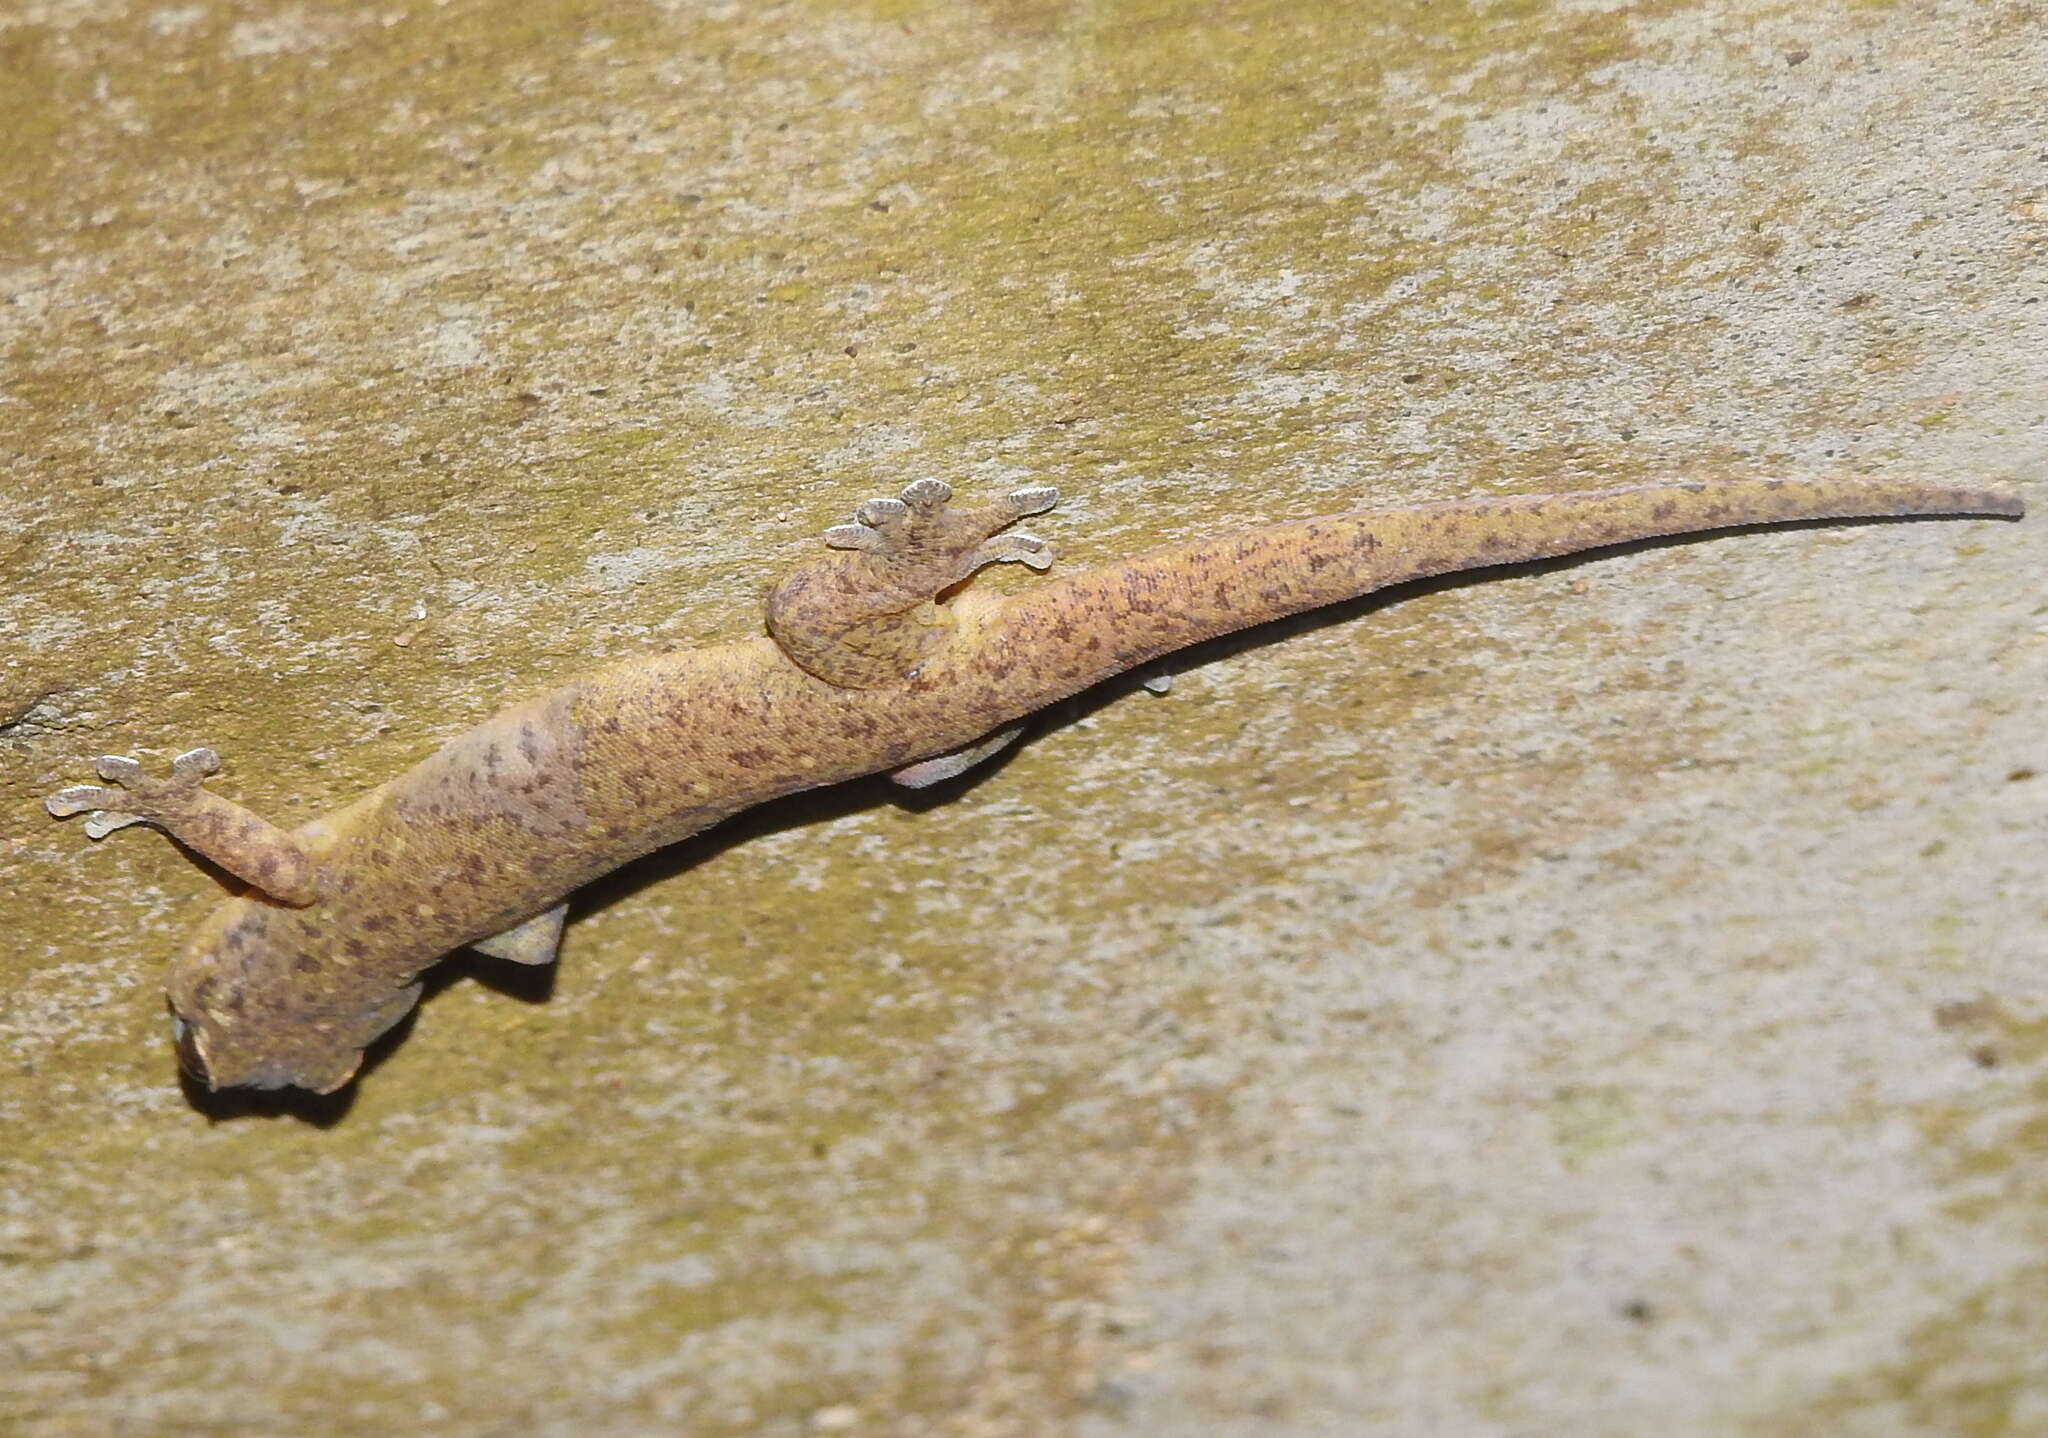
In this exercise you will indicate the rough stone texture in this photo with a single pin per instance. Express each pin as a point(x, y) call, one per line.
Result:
point(1610, 996)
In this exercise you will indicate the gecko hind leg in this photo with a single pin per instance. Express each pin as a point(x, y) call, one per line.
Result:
point(865, 616)
point(243, 843)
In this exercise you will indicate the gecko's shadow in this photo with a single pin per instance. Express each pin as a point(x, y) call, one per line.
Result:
point(534, 984)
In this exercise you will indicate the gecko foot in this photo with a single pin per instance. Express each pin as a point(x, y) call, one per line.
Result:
point(865, 616)
point(138, 799)
point(925, 542)
point(239, 841)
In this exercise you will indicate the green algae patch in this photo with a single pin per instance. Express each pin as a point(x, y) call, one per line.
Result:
point(1972, 1367)
point(1969, 1372)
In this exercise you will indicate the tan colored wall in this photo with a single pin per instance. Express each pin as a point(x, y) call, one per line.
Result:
point(1608, 999)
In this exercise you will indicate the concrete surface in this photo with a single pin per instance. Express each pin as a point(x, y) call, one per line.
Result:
point(1605, 998)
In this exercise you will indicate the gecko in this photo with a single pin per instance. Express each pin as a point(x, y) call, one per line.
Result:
point(872, 663)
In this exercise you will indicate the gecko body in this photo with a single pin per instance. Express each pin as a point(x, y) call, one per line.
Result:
point(862, 671)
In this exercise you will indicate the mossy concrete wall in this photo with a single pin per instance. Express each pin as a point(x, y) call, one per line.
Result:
point(1604, 997)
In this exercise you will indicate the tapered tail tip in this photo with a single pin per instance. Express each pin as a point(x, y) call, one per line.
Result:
point(1963, 499)
point(2005, 502)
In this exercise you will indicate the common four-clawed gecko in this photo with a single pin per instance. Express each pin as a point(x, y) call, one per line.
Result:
point(863, 670)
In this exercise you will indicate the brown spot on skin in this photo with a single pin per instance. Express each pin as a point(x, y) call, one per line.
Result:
point(306, 964)
point(749, 758)
point(521, 765)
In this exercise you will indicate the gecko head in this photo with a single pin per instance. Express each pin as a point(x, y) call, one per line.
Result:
point(220, 1057)
point(254, 1005)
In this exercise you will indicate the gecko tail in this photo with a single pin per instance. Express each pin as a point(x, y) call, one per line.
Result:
point(1108, 620)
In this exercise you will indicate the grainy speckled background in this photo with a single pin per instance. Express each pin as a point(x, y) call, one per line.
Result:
point(1608, 998)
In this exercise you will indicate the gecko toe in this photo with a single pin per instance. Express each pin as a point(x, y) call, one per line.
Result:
point(1025, 549)
point(852, 536)
point(106, 821)
point(881, 513)
point(195, 764)
point(78, 799)
point(1034, 499)
point(926, 495)
point(117, 768)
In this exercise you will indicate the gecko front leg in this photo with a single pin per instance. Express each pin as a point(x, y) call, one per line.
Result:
point(245, 844)
point(952, 764)
point(866, 617)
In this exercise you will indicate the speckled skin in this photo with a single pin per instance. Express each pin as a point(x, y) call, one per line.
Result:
point(286, 984)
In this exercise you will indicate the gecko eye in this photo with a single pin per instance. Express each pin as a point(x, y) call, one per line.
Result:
point(186, 1038)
